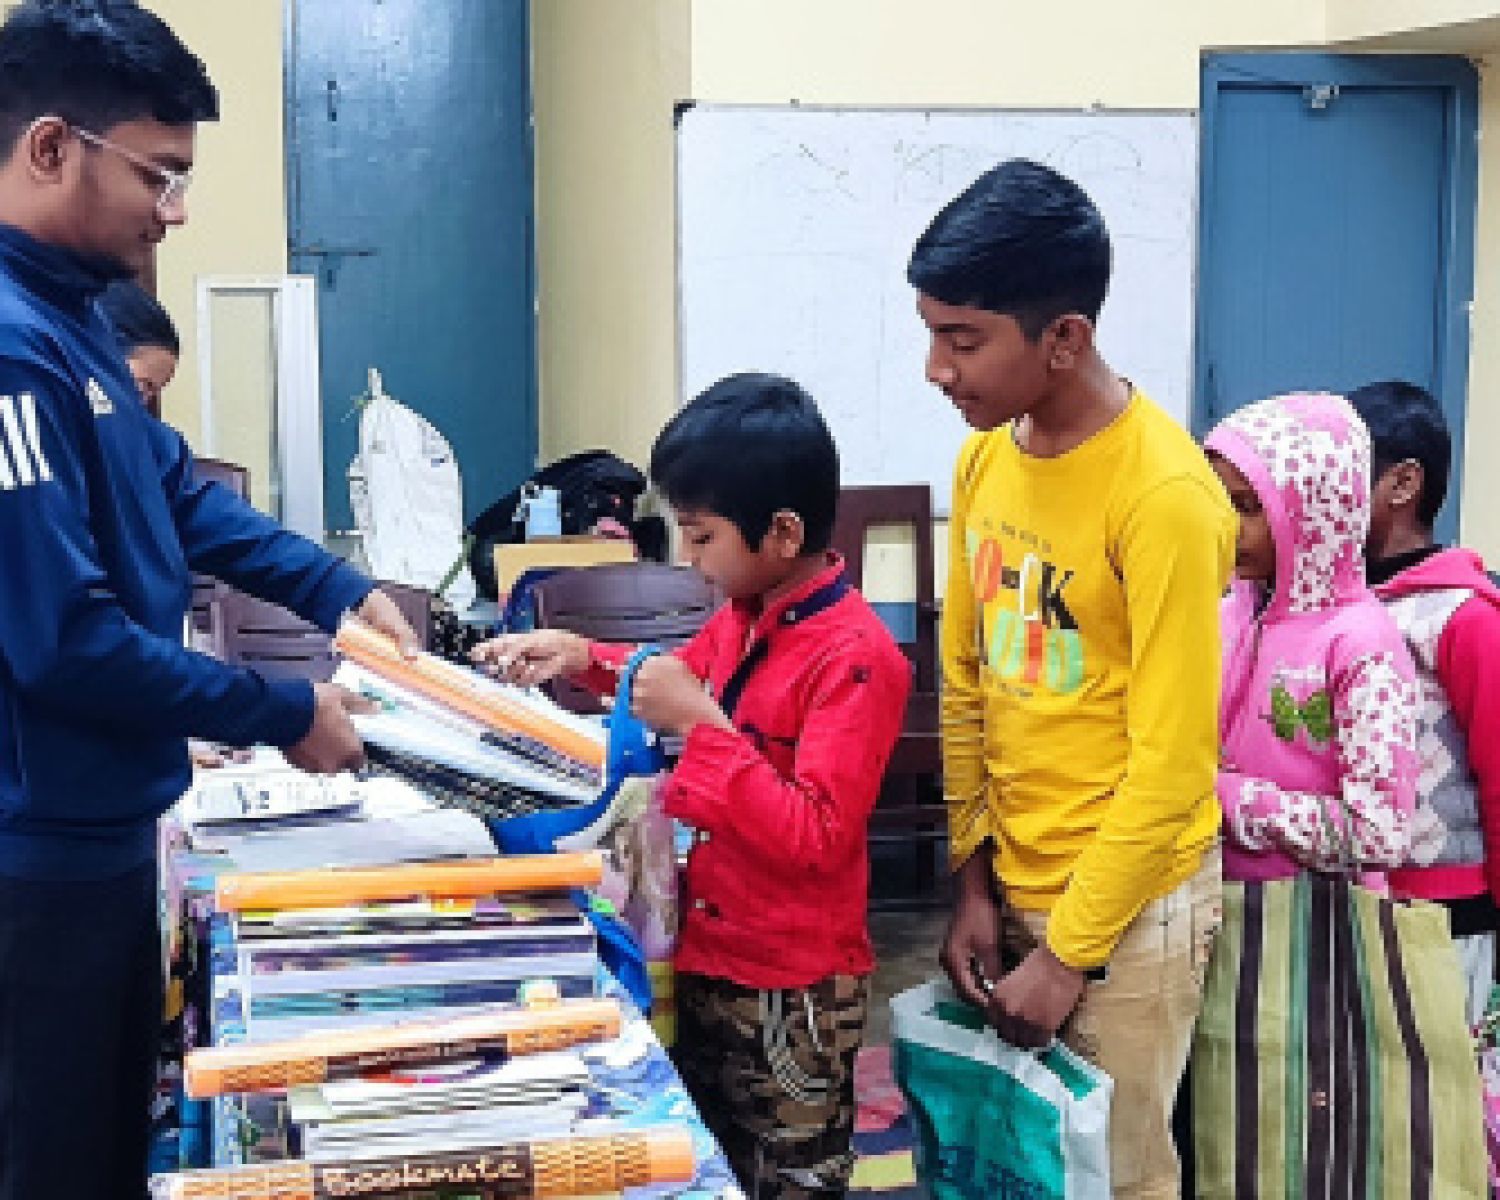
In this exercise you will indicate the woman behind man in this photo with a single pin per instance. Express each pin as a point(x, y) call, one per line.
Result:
point(147, 338)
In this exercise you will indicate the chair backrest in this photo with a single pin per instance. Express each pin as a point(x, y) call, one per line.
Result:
point(200, 608)
point(633, 603)
point(269, 639)
point(626, 602)
point(205, 587)
point(416, 606)
point(233, 476)
point(868, 507)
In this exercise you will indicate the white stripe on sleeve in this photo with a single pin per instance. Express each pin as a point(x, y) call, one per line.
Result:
point(17, 443)
point(7, 476)
point(33, 437)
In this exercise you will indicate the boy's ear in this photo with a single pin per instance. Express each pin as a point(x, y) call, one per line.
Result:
point(1071, 336)
point(787, 534)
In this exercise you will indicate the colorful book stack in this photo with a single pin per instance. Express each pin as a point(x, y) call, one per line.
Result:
point(465, 739)
point(304, 951)
point(457, 1083)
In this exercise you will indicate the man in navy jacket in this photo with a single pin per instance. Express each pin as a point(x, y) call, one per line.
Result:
point(102, 521)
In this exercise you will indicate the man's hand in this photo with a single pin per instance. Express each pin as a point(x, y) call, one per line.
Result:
point(973, 937)
point(1030, 1004)
point(379, 612)
point(531, 659)
point(670, 698)
point(331, 745)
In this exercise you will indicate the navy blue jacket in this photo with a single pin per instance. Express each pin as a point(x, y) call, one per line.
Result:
point(102, 522)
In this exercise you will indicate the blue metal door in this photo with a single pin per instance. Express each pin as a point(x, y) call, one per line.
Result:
point(410, 198)
point(1336, 234)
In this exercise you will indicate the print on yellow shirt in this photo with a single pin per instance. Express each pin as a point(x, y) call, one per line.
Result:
point(1033, 640)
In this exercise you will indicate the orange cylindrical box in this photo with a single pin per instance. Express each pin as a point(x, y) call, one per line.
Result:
point(333, 886)
point(464, 691)
point(274, 1066)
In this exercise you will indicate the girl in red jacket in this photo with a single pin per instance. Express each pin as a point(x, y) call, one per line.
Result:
point(785, 748)
point(1448, 610)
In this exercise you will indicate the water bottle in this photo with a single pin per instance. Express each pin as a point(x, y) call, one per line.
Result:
point(542, 512)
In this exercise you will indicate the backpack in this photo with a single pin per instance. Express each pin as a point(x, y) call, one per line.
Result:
point(591, 486)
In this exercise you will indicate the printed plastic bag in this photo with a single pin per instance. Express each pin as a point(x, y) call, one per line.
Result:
point(991, 1120)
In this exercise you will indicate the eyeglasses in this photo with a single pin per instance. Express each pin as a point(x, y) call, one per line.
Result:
point(174, 184)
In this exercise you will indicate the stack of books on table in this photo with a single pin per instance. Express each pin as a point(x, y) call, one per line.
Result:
point(501, 1099)
point(256, 815)
point(301, 952)
point(334, 953)
point(464, 739)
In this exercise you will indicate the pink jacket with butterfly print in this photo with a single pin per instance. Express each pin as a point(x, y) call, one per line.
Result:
point(1317, 716)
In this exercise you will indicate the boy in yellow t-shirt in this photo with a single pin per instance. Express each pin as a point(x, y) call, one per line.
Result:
point(1091, 543)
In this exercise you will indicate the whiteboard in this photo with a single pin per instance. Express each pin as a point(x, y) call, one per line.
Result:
point(795, 225)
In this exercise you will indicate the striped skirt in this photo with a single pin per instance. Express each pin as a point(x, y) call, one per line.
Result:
point(1332, 1059)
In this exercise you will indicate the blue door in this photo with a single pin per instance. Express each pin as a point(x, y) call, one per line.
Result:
point(410, 198)
point(1337, 229)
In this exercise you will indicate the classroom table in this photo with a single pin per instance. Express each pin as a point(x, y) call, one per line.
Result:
point(634, 1081)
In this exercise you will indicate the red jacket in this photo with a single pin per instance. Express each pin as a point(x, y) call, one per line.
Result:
point(775, 890)
point(1449, 612)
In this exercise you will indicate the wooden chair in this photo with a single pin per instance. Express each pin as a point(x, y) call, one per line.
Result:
point(416, 606)
point(205, 587)
point(630, 603)
point(231, 475)
point(253, 633)
point(910, 808)
point(627, 602)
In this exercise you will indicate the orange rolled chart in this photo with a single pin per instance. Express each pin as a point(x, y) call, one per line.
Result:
point(334, 886)
point(464, 691)
point(317, 1058)
point(577, 1166)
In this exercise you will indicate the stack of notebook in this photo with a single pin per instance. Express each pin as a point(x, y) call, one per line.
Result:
point(314, 958)
point(298, 952)
point(458, 1106)
point(464, 739)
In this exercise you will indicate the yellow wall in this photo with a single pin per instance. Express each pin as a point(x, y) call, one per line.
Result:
point(606, 75)
point(237, 206)
point(1380, 18)
point(1123, 53)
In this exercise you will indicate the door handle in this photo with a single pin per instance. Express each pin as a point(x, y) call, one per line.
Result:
point(333, 258)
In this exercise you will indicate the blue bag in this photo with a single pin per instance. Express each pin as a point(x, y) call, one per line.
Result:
point(631, 750)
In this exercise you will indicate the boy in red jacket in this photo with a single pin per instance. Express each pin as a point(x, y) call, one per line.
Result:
point(1449, 612)
point(785, 748)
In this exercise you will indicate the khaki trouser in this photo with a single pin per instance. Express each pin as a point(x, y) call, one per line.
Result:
point(1137, 1026)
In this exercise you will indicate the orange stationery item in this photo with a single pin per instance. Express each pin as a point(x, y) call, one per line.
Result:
point(546, 1167)
point(464, 691)
point(332, 886)
point(275, 1066)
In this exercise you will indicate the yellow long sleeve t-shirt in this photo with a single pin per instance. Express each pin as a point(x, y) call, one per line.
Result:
point(1080, 650)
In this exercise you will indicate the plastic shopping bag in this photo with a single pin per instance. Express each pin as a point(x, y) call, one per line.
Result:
point(994, 1122)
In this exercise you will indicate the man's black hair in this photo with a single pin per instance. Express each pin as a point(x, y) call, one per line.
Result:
point(749, 447)
point(1022, 241)
point(96, 64)
point(1406, 423)
point(138, 318)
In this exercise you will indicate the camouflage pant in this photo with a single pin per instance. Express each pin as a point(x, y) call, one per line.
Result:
point(772, 1072)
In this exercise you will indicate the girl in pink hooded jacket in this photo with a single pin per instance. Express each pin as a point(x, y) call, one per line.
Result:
point(1317, 781)
point(1318, 706)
